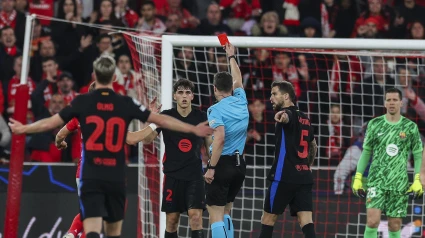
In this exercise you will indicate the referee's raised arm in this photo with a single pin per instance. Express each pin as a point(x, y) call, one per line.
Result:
point(234, 68)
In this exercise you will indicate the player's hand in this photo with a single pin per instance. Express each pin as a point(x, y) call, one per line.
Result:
point(203, 129)
point(62, 145)
point(16, 127)
point(152, 106)
point(281, 117)
point(358, 186)
point(416, 188)
point(209, 176)
point(230, 49)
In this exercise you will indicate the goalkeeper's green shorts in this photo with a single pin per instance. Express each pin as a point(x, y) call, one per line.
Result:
point(392, 203)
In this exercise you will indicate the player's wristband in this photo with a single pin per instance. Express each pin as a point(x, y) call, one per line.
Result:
point(232, 56)
point(210, 167)
point(153, 126)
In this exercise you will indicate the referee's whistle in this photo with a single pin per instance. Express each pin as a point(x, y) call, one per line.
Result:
point(238, 159)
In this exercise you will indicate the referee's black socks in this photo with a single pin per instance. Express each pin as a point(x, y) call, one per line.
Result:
point(266, 231)
point(171, 235)
point(308, 230)
point(198, 234)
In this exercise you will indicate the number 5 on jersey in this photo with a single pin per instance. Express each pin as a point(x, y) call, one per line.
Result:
point(303, 145)
point(93, 144)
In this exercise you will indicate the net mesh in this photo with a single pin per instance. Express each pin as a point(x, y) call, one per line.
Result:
point(339, 90)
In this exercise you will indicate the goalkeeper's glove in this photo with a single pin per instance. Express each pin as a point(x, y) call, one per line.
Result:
point(358, 186)
point(416, 188)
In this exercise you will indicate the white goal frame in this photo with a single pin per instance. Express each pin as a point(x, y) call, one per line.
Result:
point(170, 41)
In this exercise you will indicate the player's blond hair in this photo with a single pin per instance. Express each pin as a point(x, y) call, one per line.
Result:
point(104, 69)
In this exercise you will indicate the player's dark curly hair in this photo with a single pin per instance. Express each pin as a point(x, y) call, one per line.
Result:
point(285, 87)
point(394, 90)
point(223, 81)
point(184, 83)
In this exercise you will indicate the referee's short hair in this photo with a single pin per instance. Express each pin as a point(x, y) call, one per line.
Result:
point(184, 83)
point(285, 87)
point(394, 90)
point(104, 69)
point(223, 81)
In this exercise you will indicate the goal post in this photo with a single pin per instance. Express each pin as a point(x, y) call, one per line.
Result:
point(338, 72)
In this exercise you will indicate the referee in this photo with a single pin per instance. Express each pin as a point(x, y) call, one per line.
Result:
point(290, 175)
point(226, 169)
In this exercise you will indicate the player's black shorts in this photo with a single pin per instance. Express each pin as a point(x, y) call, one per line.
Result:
point(181, 196)
point(100, 198)
point(280, 194)
point(228, 180)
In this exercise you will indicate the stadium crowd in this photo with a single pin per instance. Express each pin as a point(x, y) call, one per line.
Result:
point(332, 88)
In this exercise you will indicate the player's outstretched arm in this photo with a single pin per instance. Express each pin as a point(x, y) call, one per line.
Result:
point(147, 135)
point(43, 125)
point(312, 152)
point(236, 72)
point(207, 143)
point(170, 123)
point(60, 138)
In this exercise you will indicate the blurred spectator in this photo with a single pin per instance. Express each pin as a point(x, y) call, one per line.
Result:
point(42, 8)
point(175, 7)
point(310, 28)
point(407, 13)
point(105, 12)
point(15, 19)
point(212, 24)
point(127, 16)
point(240, 14)
point(47, 49)
point(377, 13)
point(258, 75)
point(345, 19)
point(369, 29)
point(51, 73)
point(13, 84)
point(65, 84)
point(8, 52)
point(149, 22)
point(269, 26)
point(416, 31)
point(5, 138)
point(335, 136)
point(39, 34)
point(21, 6)
point(127, 77)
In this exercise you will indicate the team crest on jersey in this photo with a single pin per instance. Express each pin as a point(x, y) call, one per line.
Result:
point(402, 135)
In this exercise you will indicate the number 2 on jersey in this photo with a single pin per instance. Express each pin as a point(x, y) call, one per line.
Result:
point(93, 145)
point(303, 144)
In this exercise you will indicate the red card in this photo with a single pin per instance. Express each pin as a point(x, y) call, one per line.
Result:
point(223, 39)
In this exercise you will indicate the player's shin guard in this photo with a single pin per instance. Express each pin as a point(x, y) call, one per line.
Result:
point(228, 224)
point(171, 235)
point(198, 234)
point(308, 230)
point(76, 226)
point(218, 230)
point(266, 231)
point(371, 232)
point(395, 234)
point(92, 235)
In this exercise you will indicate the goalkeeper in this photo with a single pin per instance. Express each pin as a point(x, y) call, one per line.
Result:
point(391, 138)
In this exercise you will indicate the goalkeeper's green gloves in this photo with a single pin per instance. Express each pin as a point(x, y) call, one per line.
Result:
point(416, 188)
point(358, 186)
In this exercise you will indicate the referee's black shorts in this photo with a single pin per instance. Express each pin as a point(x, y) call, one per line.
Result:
point(228, 180)
point(104, 199)
point(281, 194)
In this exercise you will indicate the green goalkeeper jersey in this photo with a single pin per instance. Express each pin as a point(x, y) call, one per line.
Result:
point(391, 145)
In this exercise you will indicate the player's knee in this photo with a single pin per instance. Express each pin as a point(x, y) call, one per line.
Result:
point(394, 224)
point(304, 218)
point(195, 220)
point(228, 208)
point(172, 222)
point(113, 229)
point(373, 222)
point(268, 219)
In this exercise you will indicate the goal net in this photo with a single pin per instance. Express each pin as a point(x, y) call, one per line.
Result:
point(339, 89)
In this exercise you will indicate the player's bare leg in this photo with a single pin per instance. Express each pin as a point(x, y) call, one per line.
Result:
point(92, 227)
point(394, 226)
point(373, 220)
point(267, 224)
point(216, 221)
point(113, 229)
point(172, 222)
point(305, 219)
point(228, 224)
point(195, 221)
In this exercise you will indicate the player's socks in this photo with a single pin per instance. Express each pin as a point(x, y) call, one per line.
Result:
point(113, 236)
point(76, 226)
point(171, 235)
point(92, 235)
point(395, 234)
point(266, 231)
point(229, 226)
point(371, 232)
point(308, 230)
point(198, 234)
point(218, 230)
